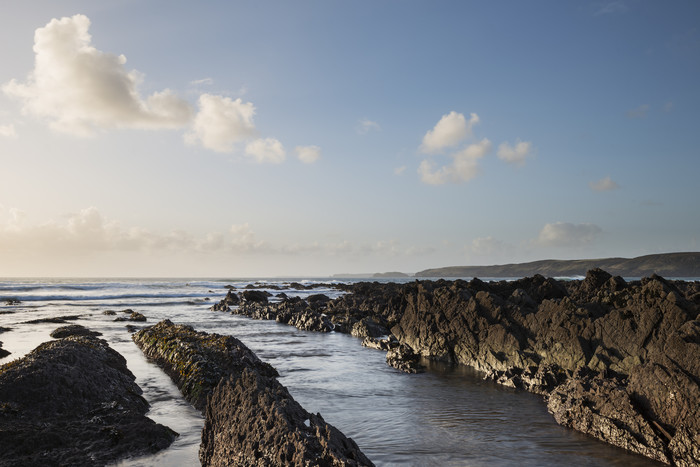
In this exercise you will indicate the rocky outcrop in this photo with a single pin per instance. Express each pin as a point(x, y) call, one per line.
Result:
point(251, 419)
point(293, 311)
point(73, 401)
point(605, 353)
point(196, 361)
point(73, 330)
point(608, 354)
point(3, 353)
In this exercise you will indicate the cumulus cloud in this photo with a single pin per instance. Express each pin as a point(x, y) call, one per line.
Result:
point(80, 89)
point(8, 131)
point(366, 125)
point(638, 112)
point(452, 129)
point(308, 154)
point(266, 150)
point(515, 154)
point(221, 123)
point(463, 168)
point(566, 234)
point(604, 184)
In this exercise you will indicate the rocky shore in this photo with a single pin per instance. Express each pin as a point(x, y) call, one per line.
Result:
point(251, 419)
point(73, 401)
point(616, 360)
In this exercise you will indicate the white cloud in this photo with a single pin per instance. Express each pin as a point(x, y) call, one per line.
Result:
point(266, 150)
point(452, 129)
point(604, 184)
point(205, 81)
point(515, 154)
point(463, 168)
point(8, 131)
point(308, 154)
point(366, 125)
point(612, 8)
point(639, 112)
point(221, 123)
point(80, 89)
point(565, 234)
point(400, 170)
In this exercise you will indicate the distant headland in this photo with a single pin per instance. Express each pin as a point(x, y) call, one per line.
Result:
point(666, 265)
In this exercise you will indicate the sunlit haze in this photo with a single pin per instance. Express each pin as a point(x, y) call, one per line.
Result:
point(312, 138)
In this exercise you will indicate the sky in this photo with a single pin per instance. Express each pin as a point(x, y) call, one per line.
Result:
point(308, 138)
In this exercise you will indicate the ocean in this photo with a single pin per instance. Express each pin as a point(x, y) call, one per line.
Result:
point(447, 416)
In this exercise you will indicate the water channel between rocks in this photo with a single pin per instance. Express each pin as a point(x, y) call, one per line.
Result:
point(447, 416)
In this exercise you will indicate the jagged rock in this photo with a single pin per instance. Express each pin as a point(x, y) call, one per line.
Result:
point(405, 359)
point(368, 327)
point(73, 330)
point(255, 296)
point(231, 299)
point(109, 312)
point(602, 407)
point(134, 316)
point(12, 301)
point(380, 344)
point(252, 420)
point(196, 361)
point(73, 401)
point(3, 353)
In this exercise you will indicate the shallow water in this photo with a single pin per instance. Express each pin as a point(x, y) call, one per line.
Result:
point(447, 416)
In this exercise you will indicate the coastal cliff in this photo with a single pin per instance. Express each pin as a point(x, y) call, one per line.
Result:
point(616, 360)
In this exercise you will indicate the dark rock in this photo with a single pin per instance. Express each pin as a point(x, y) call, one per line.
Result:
point(317, 301)
point(252, 420)
point(196, 361)
point(3, 353)
point(134, 316)
point(405, 359)
point(109, 312)
point(380, 344)
point(255, 296)
point(368, 327)
point(4, 329)
point(641, 337)
point(54, 320)
point(602, 407)
point(73, 401)
point(73, 330)
point(12, 301)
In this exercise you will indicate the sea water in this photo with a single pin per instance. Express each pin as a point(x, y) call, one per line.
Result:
point(447, 416)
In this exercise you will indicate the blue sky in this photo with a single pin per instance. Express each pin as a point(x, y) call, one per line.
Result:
point(274, 138)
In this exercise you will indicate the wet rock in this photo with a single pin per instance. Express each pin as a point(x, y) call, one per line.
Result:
point(252, 420)
point(368, 327)
point(134, 316)
point(293, 311)
point(602, 407)
point(196, 361)
point(386, 343)
point(73, 330)
point(535, 333)
point(109, 312)
point(3, 353)
point(54, 320)
point(4, 329)
point(231, 299)
point(317, 301)
point(73, 401)
point(257, 296)
point(405, 359)
point(12, 301)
